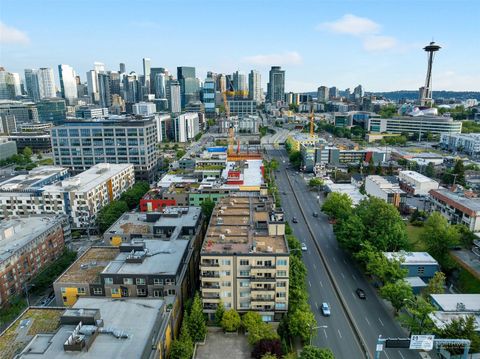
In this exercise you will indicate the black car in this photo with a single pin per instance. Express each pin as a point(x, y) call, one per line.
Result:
point(294, 220)
point(361, 293)
point(315, 214)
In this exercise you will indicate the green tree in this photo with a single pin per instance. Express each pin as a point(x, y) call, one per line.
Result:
point(388, 111)
point(311, 352)
point(269, 356)
point(439, 237)
point(133, 195)
point(110, 213)
point(436, 284)
point(462, 328)
point(197, 322)
point(219, 312)
point(315, 182)
point(371, 167)
point(416, 318)
point(27, 152)
point(397, 293)
point(231, 320)
point(350, 233)
point(430, 170)
point(459, 170)
point(301, 320)
point(261, 331)
point(295, 158)
point(251, 320)
point(388, 271)
point(207, 207)
point(182, 348)
point(297, 289)
point(338, 206)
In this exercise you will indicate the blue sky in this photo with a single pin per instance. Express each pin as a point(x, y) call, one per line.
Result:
point(375, 43)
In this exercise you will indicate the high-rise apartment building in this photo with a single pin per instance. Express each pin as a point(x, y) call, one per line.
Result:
point(185, 127)
point(189, 89)
point(209, 96)
point(80, 144)
point(122, 68)
point(131, 88)
point(68, 83)
point(99, 66)
point(358, 92)
point(255, 86)
point(146, 74)
point(31, 84)
point(221, 83)
point(240, 85)
point(175, 99)
point(7, 85)
point(276, 84)
point(322, 94)
point(115, 83)
point(244, 260)
point(333, 93)
point(158, 81)
point(92, 85)
point(46, 82)
point(104, 96)
point(17, 84)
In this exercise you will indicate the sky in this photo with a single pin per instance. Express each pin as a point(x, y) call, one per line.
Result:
point(343, 43)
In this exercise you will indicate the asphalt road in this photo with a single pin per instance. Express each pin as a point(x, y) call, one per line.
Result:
point(371, 316)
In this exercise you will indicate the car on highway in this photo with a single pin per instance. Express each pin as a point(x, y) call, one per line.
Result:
point(284, 193)
point(325, 309)
point(360, 293)
point(304, 247)
point(294, 220)
point(315, 214)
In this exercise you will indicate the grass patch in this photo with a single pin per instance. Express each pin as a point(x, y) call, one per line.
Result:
point(45, 162)
point(467, 283)
point(415, 238)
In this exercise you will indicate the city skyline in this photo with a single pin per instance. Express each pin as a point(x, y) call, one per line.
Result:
point(373, 43)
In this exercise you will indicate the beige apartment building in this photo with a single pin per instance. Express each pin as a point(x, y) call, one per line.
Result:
point(245, 258)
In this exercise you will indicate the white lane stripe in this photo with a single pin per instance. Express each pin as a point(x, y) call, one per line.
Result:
point(310, 284)
point(367, 320)
point(353, 276)
point(314, 266)
point(340, 334)
point(316, 305)
point(325, 332)
point(334, 259)
point(321, 284)
point(399, 352)
point(343, 275)
point(380, 322)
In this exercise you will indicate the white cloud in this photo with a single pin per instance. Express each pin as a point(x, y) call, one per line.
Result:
point(10, 35)
point(286, 58)
point(379, 43)
point(351, 25)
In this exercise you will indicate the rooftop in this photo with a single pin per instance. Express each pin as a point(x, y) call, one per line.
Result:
point(157, 257)
point(168, 179)
point(17, 232)
point(442, 319)
point(457, 302)
point(413, 258)
point(351, 190)
point(240, 225)
point(468, 205)
point(386, 183)
point(117, 314)
point(416, 176)
point(87, 268)
point(89, 179)
point(35, 179)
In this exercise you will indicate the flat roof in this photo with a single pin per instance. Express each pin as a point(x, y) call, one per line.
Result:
point(90, 178)
point(416, 282)
point(417, 176)
point(413, 258)
point(159, 257)
point(32, 180)
point(468, 205)
point(349, 189)
point(233, 228)
point(119, 314)
point(457, 302)
point(87, 268)
point(168, 179)
point(442, 319)
point(17, 232)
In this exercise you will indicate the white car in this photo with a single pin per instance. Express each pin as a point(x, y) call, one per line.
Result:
point(325, 309)
point(304, 247)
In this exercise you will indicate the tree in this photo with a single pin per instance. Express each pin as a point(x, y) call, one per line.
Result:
point(207, 207)
point(397, 293)
point(197, 323)
point(301, 320)
point(315, 182)
point(133, 195)
point(378, 169)
point(371, 167)
point(295, 158)
point(436, 284)
point(231, 320)
point(338, 206)
point(439, 237)
point(349, 234)
point(219, 313)
point(311, 352)
point(251, 320)
point(270, 356)
point(388, 111)
point(182, 348)
point(461, 328)
point(388, 271)
point(297, 290)
point(267, 346)
point(430, 170)
point(416, 318)
point(110, 213)
point(261, 331)
point(459, 170)
point(27, 152)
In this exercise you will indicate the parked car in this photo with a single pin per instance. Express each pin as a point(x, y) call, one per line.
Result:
point(325, 309)
point(361, 293)
point(304, 247)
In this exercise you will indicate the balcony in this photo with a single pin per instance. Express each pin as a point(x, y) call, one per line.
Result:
point(210, 286)
point(210, 274)
point(210, 306)
point(207, 263)
point(211, 295)
point(264, 289)
point(263, 299)
point(262, 279)
point(271, 266)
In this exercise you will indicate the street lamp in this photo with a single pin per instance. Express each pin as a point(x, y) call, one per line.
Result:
point(312, 328)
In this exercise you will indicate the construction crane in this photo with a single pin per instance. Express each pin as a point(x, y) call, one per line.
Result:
point(312, 117)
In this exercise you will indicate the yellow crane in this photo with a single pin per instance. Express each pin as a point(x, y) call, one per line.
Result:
point(312, 117)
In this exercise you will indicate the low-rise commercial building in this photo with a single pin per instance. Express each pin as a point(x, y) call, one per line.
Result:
point(8, 148)
point(27, 245)
point(91, 111)
point(418, 264)
point(351, 190)
point(36, 141)
point(386, 188)
point(242, 107)
point(453, 307)
point(461, 142)
point(245, 258)
point(416, 183)
point(94, 328)
point(456, 208)
point(414, 125)
point(144, 108)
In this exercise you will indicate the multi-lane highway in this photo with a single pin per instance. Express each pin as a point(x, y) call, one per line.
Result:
point(356, 325)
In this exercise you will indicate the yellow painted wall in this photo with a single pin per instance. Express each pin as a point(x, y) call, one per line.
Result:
point(116, 241)
point(71, 295)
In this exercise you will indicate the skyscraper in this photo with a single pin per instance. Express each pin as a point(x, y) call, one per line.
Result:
point(240, 85)
point(115, 87)
point(255, 86)
point(189, 89)
point(99, 66)
point(7, 85)
point(322, 94)
point(17, 84)
point(92, 85)
point(174, 100)
point(276, 84)
point(160, 86)
point(46, 82)
point(68, 83)
point(146, 74)
point(105, 99)
point(358, 92)
point(333, 93)
point(31, 84)
point(155, 89)
point(131, 88)
point(209, 96)
point(221, 83)
point(123, 68)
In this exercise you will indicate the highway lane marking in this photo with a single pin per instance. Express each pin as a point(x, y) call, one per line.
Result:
point(340, 334)
point(353, 276)
point(386, 355)
point(310, 284)
point(334, 259)
point(325, 332)
point(321, 284)
point(367, 321)
point(381, 322)
point(399, 352)
point(316, 305)
point(314, 266)
point(343, 275)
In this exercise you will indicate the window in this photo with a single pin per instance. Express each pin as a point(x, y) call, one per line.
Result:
point(127, 281)
point(115, 291)
point(156, 293)
point(225, 273)
point(282, 273)
point(157, 281)
point(226, 284)
point(245, 284)
point(244, 305)
point(282, 262)
point(108, 281)
point(140, 281)
point(141, 291)
point(244, 262)
point(81, 291)
point(259, 263)
point(244, 294)
point(421, 270)
point(171, 292)
point(281, 284)
point(280, 306)
point(97, 291)
point(281, 295)
point(225, 262)
point(226, 294)
point(244, 273)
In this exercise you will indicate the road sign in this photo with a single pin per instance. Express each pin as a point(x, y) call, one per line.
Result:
point(422, 342)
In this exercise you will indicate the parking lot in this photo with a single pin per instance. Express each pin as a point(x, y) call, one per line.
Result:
point(220, 346)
